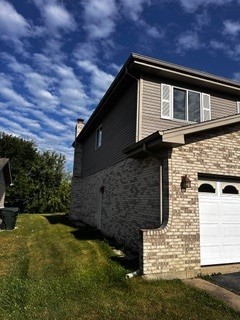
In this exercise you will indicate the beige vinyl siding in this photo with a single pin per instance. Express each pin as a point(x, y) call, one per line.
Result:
point(222, 106)
point(119, 131)
point(151, 106)
point(151, 110)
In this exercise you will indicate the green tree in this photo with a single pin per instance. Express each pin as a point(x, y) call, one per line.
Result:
point(40, 183)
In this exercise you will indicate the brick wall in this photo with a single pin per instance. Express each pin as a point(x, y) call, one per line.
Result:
point(174, 249)
point(130, 200)
point(77, 172)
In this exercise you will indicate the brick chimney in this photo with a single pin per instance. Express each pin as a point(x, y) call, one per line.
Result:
point(79, 127)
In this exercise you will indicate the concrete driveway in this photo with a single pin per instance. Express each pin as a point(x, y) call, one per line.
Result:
point(225, 287)
point(229, 281)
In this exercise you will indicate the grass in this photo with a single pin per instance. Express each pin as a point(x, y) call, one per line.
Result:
point(52, 270)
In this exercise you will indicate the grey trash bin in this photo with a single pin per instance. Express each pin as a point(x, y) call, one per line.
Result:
point(9, 217)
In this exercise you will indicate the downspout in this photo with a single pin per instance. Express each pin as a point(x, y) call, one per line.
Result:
point(138, 136)
point(138, 272)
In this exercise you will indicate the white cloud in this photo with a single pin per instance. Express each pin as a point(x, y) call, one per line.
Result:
point(236, 76)
point(232, 51)
point(231, 27)
point(100, 80)
point(150, 31)
point(14, 65)
point(71, 92)
point(115, 67)
point(25, 120)
point(12, 125)
point(38, 86)
point(192, 5)
point(218, 45)
point(42, 61)
point(8, 93)
point(15, 129)
point(12, 24)
point(99, 18)
point(134, 8)
point(188, 41)
point(86, 50)
point(203, 19)
point(56, 16)
point(47, 121)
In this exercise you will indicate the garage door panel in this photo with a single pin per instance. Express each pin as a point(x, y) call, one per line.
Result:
point(209, 208)
point(230, 253)
point(210, 254)
point(230, 231)
point(209, 231)
point(230, 211)
point(219, 227)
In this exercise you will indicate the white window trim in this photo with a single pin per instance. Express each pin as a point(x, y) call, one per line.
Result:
point(186, 90)
point(97, 144)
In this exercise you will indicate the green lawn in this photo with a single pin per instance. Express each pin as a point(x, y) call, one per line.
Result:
point(52, 270)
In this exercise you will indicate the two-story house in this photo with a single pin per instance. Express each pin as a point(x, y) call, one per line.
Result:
point(157, 167)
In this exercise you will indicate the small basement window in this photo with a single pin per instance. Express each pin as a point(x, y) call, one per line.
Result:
point(206, 187)
point(229, 189)
point(98, 137)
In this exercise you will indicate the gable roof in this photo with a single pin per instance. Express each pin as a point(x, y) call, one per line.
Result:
point(175, 137)
point(5, 166)
point(137, 65)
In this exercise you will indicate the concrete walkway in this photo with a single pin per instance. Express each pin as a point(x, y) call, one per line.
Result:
point(229, 298)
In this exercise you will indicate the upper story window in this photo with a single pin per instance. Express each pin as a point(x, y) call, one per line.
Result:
point(238, 107)
point(98, 137)
point(183, 104)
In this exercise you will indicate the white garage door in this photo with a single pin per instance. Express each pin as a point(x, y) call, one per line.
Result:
point(219, 209)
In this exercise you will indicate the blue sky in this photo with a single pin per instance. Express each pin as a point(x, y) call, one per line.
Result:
point(57, 58)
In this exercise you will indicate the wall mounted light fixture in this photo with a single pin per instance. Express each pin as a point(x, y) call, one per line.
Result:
point(185, 183)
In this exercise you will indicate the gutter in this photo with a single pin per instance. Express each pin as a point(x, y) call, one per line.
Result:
point(181, 70)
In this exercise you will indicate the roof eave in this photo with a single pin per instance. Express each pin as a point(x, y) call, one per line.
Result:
point(172, 138)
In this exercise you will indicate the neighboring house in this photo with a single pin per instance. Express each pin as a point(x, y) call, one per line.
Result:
point(5, 178)
point(157, 167)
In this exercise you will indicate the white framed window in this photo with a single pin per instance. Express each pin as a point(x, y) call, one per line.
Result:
point(98, 137)
point(183, 104)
